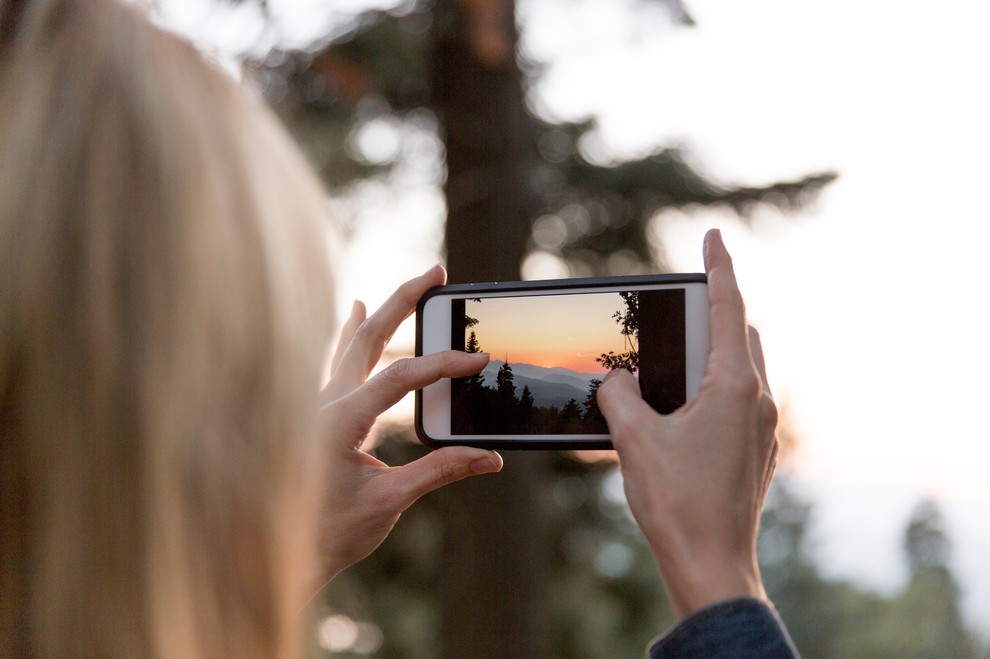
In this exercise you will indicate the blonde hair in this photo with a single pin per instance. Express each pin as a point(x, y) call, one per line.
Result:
point(164, 308)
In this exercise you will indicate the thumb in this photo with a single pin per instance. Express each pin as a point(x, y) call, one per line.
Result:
point(619, 395)
point(445, 466)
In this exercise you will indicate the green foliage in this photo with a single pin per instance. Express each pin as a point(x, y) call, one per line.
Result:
point(375, 69)
point(925, 542)
point(606, 594)
point(594, 215)
point(831, 618)
point(594, 211)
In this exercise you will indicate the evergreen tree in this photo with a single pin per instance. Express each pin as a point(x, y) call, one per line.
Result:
point(525, 417)
point(505, 382)
point(593, 418)
point(926, 620)
point(926, 545)
point(526, 401)
point(571, 417)
point(473, 383)
point(472, 343)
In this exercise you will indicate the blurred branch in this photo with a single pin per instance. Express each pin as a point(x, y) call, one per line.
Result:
point(678, 12)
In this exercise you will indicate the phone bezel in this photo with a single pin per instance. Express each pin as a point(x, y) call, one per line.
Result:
point(431, 401)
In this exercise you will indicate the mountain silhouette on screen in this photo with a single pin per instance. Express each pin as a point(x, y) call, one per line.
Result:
point(550, 387)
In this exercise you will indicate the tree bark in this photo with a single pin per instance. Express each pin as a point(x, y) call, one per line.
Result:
point(478, 97)
point(495, 551)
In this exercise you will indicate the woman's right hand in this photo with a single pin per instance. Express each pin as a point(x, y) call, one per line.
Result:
point(696, 479)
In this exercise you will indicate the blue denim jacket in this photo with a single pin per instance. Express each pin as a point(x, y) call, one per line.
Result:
point(733, 629)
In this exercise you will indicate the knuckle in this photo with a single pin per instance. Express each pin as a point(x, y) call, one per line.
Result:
point(629, 428)
point(731, 300)
point(398, 371)
point(769, 414)
point(445, 473)
point(365, 331)
point(371, 334)
point(744, 384)
point(409, 292)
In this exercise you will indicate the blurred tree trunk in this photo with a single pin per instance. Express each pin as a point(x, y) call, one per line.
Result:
point(495, 560)
point(478, 95)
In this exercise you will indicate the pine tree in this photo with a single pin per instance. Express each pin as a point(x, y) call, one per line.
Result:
point(593, 419)
point(476, 381)
point(505, 382)
point(472, 343)
point(526, 401)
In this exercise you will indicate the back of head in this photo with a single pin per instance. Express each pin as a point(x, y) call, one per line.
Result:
point(164, 306)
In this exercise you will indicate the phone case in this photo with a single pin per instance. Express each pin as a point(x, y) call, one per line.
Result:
point(524, 287)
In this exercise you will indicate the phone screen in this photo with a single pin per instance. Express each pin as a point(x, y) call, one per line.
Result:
point(549, 354)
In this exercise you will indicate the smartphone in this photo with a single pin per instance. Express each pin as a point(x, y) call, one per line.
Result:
point(551, 343)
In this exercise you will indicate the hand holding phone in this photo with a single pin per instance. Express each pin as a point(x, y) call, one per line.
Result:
point(696, 479)
point(364, 497)
point(551, 345)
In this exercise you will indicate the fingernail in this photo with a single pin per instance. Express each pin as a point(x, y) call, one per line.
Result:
point(437, 271)
point(479, 355)
point(486, 465)
point(713, 234)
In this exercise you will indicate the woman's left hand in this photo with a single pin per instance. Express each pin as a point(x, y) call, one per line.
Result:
point(364, 497)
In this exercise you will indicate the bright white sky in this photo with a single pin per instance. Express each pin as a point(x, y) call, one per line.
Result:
point(871, 303)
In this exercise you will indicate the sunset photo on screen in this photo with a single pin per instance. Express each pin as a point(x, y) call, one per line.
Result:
point(550, 353)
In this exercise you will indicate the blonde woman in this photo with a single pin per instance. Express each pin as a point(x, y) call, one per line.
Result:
point(165, 307)
point(172, 481)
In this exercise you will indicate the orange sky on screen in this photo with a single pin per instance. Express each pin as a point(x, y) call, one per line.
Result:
point(582, 363)
point(566, 331)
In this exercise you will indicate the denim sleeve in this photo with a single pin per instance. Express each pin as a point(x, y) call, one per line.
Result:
point(736, 628)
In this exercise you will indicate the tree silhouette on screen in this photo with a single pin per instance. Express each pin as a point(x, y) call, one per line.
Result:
point(629, 324)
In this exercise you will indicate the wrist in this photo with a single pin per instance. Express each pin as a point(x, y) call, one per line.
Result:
point(698, 580)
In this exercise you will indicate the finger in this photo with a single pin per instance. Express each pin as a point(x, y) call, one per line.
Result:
point(442, 467)
point(359, 314)
point(369, 340)
point(621, 402)
point(382, 324)
point(728, 326)
point(336, 387)
point(353, 415)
